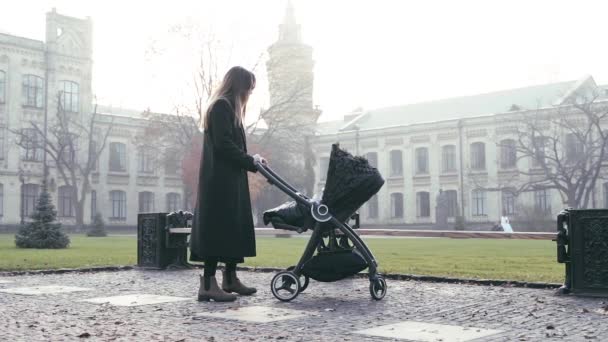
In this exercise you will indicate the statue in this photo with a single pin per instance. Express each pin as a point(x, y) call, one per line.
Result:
point(441, 210)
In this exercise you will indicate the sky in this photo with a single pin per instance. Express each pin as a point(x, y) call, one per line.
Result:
point(369, 54)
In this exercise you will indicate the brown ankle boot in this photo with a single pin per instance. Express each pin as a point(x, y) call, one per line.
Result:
point(210, 290)
point(230, 283)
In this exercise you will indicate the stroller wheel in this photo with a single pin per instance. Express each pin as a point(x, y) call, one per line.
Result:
point(304, 280)
point(285, 286)
point(377, 288)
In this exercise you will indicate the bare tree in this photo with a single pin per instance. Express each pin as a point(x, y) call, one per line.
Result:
point(67, 133)
point(564, 148)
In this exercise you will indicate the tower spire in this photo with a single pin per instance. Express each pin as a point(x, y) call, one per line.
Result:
point(289, 30)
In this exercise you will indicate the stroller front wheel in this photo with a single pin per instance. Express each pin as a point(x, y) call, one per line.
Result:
point(377, 288)
point(285, 286)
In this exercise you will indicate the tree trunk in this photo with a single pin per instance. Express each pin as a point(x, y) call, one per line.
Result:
point(80, 215)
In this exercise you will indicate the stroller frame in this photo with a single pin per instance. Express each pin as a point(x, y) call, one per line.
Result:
point(289, 280)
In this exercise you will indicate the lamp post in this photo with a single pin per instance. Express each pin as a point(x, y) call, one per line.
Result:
point(22, 181)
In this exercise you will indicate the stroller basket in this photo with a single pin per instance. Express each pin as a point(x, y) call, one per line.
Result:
point(351, 181)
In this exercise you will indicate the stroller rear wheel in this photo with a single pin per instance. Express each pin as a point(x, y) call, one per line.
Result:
point(377, 288)
point(304, 280)
point(285, 286)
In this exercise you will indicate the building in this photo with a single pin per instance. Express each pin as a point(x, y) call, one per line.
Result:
point(32, 73)
point(420, 152)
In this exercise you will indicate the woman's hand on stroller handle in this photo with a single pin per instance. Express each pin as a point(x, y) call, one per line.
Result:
point(258, 159)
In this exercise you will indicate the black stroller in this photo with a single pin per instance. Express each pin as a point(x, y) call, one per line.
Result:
point(334, 250)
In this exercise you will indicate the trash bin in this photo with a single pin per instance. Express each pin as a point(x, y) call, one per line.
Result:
point(162, 239)
point(582, 245)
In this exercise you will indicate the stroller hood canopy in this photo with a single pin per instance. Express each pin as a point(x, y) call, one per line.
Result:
point(351, 181)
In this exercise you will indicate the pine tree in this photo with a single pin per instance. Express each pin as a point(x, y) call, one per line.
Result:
point(98, 229)
point(44, 231)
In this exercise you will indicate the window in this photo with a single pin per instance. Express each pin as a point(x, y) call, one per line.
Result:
point(542, 201)
point(539, 151)
point(66, 201)
point(508, 202)
point(508, 154)
point(422, 160)
point(69, 96)
point(171, 162)
point(118, 157)
point(448, 158)
point(2, 86)
point(29, 198)
point(324, 165)
point(118, 202)
point(479, 203)
point(93, 154)
point(146, 202)
point(1, 200)
point(93, 204)
point(173, 201)
point(574, 148)
point(145, 160)
point(606, 195)
point(396, 163)
point(31, 143)
point(33, 91)
point(372, 158)
point(397, 205)
point(68, 145)
point(423, 204)
point(372, 207)
point(452, 199)
point(2, 143)
point(478, 156)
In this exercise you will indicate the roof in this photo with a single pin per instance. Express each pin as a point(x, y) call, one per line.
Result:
point(329, 127)
point(529, 98)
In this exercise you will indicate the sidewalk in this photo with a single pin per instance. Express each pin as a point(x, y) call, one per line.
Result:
point(341, 311)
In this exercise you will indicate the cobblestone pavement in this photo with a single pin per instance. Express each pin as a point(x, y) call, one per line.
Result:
point(335, 310)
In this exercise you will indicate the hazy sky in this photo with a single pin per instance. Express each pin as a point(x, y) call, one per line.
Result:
point(371, 53)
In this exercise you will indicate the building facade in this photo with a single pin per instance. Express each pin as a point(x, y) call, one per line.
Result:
point(469, 158)
point(34, 77)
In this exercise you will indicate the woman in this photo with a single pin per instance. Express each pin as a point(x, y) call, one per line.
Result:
point(222, 230)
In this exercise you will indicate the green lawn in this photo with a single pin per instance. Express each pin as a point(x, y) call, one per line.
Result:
point(525, 260)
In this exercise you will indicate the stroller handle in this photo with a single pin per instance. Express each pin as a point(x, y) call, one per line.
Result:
point(275, 179)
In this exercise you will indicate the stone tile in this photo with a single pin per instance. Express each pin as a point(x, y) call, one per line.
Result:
point(44, 290)
point(257, 314)
point(135, 300)
point(428, 332)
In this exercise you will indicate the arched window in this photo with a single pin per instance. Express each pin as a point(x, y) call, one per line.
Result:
point(448, 158)
point(508, 154)
point(29, 198)
point(1, 200)
point(423, 204)
point(508, 202)
point(146, 202)
point(118, 157)
point(396, 163)
point(173, 201)
point(372, 158)
point(146, 160)
point(397, 205)
point(422, 160)
point(70, 93)
point(118, 202)
point(372, 207)
point(33, 91)
point(478, 156)
point(66, 201)
point(2, 86)
point(478, 204)
point(452, 199)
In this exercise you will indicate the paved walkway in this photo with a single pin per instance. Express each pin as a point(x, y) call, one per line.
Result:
point(341, 311)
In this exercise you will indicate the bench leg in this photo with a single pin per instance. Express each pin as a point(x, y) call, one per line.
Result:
point(180, 261)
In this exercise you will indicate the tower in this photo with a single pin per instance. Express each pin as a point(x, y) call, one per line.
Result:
point(290, 76)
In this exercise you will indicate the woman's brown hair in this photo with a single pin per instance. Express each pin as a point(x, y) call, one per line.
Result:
point(235, 89)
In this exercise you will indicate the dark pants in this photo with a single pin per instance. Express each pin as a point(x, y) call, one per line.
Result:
point(211, 265)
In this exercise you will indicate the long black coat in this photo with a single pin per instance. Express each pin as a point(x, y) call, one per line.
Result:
point(223, 224)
